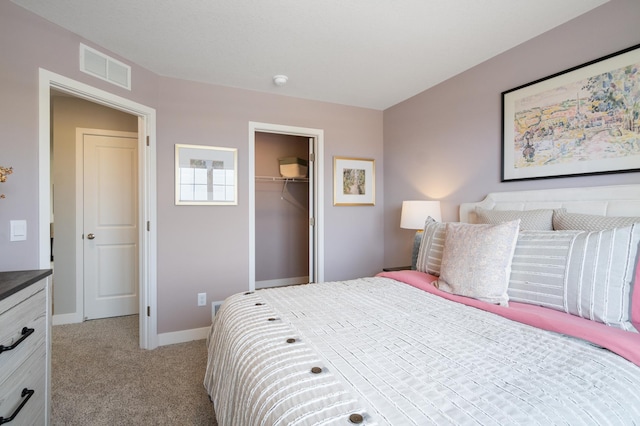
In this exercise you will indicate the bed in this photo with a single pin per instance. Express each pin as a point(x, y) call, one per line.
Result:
point(419, 347)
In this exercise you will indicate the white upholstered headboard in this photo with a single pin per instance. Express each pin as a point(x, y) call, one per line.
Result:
point(618, 200)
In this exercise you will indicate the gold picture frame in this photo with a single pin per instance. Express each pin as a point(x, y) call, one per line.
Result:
point(354, 181)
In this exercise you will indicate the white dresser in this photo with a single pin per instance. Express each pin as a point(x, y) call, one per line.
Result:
point(25, 347)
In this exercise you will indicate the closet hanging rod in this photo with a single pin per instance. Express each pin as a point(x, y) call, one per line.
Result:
point(280, 179)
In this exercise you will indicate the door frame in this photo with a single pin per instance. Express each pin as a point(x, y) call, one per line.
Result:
point(147, 214)
point(318, 193)
point(80, 282)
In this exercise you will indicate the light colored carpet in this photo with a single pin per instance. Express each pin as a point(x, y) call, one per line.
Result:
point(100, 376)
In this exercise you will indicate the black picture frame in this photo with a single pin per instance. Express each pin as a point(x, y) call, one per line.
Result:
point(581, 121)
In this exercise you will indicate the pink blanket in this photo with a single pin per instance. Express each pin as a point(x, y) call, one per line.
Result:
point(623, 343)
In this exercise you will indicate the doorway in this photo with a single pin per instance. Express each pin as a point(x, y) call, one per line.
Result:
point(146, 196)
point(283, 190)
point(315, 221)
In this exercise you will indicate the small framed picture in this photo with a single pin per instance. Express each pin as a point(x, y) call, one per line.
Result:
point(354, 182)
point(206, 175)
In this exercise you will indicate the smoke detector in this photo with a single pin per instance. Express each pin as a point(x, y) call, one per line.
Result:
point(280, 80)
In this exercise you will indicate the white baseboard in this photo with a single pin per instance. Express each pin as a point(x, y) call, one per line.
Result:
point(163, 338)
point(182, 336)
point(62, 319)
point(282, 282)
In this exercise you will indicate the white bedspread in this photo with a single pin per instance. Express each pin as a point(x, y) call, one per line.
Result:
point(400, 356)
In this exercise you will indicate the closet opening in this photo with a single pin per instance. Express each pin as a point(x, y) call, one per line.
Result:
point(282, 199)
point(285, 206)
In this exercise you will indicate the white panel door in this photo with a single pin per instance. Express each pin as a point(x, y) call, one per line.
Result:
point(110, 226)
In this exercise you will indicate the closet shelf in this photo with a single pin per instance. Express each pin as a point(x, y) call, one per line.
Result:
point(280, 179)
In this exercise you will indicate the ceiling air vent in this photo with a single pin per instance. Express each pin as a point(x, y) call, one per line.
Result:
point(104, 67)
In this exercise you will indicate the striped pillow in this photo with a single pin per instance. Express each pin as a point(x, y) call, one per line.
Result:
point(530, 220)
point(589, 222)
point(587, 274)
point(431, 246)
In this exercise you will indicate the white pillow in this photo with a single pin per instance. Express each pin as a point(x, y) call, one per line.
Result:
point(540, 219)
point(587, 274)
point(589, 222)
point(476, 260)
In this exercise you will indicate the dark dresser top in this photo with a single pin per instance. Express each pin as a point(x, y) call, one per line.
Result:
point(13, 281)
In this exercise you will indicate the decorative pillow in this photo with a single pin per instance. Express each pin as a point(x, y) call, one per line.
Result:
point(541, 219)
point(590, 222)
point(587, 274)
point(476, 261)
point(431, 245)
point(635, 299)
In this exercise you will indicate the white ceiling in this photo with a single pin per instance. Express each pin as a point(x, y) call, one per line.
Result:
point(367, 53)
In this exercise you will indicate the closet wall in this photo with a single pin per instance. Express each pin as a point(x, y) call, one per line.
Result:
point(282, 214)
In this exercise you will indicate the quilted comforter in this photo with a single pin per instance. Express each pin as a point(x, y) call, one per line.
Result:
point(377, 351)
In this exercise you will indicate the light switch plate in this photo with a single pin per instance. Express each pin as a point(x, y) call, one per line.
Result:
point(202, 299)
point(18, 230)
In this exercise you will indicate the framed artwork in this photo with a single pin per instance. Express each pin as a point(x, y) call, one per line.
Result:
point(206, 175)
point(582, 121)
point(354, 182)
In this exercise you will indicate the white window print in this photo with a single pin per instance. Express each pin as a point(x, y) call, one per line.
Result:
point(205, 175)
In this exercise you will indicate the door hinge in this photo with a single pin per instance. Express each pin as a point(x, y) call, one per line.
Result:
point(312, 221)
point(312, 156)
point(148, 311)
point(148, 226)
point(147, 140)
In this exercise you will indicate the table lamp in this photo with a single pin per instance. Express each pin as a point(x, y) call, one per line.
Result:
point(414, 214)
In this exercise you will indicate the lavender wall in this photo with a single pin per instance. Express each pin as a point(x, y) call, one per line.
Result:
point(205, 248)
point(445, 143)
point(199, 248)
point(27, 43)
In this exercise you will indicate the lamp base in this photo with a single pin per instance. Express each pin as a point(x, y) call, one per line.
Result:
point(417, 239)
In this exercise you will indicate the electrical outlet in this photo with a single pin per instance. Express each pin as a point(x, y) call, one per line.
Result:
point(202, 299)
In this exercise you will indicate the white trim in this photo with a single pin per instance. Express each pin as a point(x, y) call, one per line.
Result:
point(318, 135)
point(281, 282)
point(147, 159)
point(62, 319)
point(183, 336)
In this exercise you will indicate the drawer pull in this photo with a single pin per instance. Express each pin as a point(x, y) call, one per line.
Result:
point(25, 333)
point(28, 393)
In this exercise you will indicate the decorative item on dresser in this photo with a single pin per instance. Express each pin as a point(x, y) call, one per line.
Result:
point(25, 355)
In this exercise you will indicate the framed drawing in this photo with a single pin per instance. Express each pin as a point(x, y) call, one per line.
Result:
point(354, 182)
point(206, 175)
point(585, 120)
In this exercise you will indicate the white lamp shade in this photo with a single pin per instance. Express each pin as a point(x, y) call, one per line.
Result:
point(414, 213)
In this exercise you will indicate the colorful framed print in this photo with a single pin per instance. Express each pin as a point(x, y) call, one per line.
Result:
point(582, 121)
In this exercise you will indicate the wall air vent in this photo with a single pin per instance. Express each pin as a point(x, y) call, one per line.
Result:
point(104, 67)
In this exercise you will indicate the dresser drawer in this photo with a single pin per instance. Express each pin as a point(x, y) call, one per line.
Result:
point(25, 359)
point(29, 313)
point(30, 375)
